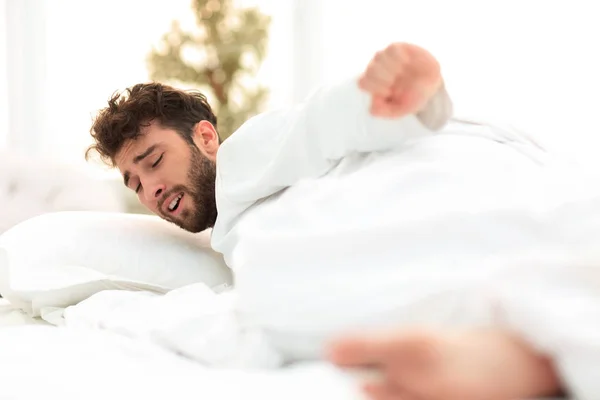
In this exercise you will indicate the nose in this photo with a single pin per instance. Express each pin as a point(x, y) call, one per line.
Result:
point(153, 193)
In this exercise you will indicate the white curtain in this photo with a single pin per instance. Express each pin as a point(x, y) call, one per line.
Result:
point(22, 87)
point(309, 55)
point(3, 78)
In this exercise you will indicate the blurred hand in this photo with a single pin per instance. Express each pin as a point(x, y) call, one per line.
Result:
point(401, 80)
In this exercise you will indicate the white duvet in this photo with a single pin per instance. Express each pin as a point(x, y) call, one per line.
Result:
point(193, 342)
point(471, 227)
point(543, 283)
point(45, 362)
point(11, 316)
point(193, 321)
point(186, 344)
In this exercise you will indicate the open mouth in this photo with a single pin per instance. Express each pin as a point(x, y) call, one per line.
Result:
point(174, 204)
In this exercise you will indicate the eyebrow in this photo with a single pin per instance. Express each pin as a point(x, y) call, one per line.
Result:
point(136, 160)
point(145, 154)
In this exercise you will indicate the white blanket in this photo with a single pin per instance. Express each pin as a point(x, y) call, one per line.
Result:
point(510, 244)
point(70, 364)
point(551, 300)
point(336, 221)
point(192, 321)
point(11, 316)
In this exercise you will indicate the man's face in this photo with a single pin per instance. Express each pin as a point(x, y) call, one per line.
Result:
point(172, 177)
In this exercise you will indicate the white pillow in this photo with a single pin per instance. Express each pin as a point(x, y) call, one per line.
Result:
point(59, 259)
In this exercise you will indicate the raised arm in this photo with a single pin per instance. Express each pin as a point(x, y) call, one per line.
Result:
point(399, 97)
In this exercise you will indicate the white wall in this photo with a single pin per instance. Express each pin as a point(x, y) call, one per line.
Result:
point(526, 61)
point(94, 49)
point(531, 62)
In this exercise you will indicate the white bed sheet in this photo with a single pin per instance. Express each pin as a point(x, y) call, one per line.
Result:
point(196, 323)
point(9, 316)
point(73, 363)
point(118, 367)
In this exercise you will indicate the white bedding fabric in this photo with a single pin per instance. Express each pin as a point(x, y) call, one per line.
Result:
point(80, 253)
point(193, 321)
point(11, 316)
point(39, 362)
point(339, 221)
point(186, 344)
point(530, 265)
point(125, 345)
point(129, 343)
point(471, 227)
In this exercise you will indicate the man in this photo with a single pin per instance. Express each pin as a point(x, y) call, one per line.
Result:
point(174, 175)
point(165, 143)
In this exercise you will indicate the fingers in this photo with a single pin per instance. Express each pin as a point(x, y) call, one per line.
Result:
point(386, 65)
point(412, 350)
point(404, 363)
point(397, 55)
point(362, 350)
point(385, 108)
point(405, 99)
point(357, 352)
point(380, 75)
point(374, 87)
point(401, 79)
point(374, 84)
point(411, 60)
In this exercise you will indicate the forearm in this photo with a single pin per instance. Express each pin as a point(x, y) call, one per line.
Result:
point(276, 150)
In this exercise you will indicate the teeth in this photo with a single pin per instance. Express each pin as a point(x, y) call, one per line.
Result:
point(175, 202)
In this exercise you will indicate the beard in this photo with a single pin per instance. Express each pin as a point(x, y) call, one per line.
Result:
point(201, 191)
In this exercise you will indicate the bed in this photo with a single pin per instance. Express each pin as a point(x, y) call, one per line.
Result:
point(69, 362)
point(63, 304)
point(10, 316)
point(82, 320)
point(39, 359)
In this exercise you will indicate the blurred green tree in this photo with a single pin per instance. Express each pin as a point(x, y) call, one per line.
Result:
point(222, 54)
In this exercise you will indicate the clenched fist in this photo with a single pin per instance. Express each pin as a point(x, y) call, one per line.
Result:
point(401, 79)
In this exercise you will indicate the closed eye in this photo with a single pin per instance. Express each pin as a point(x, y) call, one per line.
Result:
point(157, 161)
point(138, 187)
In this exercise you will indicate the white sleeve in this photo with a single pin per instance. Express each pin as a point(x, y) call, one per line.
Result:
point(275, 150)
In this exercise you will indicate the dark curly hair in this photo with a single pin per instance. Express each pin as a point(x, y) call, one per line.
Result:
point(129, 111)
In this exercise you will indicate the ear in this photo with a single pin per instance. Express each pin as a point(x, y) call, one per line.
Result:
point(206, 138)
